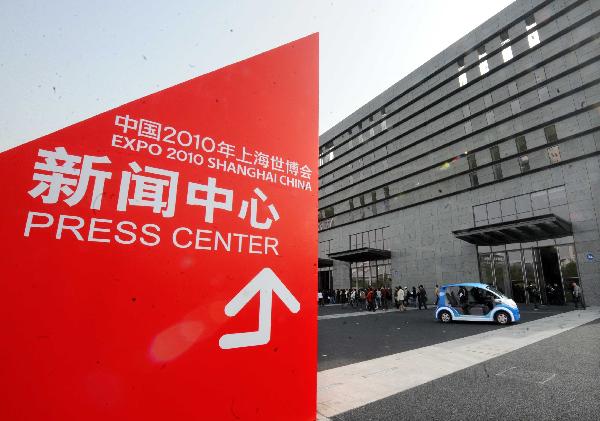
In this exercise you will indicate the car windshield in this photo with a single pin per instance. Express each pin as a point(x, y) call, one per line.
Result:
point(495, 291)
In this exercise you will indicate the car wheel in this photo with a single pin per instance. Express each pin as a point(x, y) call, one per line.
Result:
point(445, 316)
point(502, 318)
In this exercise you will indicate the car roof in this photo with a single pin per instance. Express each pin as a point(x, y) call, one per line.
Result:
point(466, 284)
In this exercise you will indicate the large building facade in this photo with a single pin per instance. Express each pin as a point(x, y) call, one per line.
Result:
point(483, 164)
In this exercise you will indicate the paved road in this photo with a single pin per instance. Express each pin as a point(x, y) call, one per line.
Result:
point(554, 379)
point(348, 340)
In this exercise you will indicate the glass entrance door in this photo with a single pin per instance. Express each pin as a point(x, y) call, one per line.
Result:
point(568, 269)
point(530, 270)
point(553, 284)
point(552, 270)
point(325, 279)
point(517, 277)
point(501, 273)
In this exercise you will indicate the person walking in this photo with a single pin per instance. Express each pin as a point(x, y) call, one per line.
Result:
point(422, 297)
point(577, 295)
point(400, 298)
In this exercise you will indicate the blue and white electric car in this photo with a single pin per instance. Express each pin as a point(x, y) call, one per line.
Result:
point(475, 303)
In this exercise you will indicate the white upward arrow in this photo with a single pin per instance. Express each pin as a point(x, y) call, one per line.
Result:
point(267, 283)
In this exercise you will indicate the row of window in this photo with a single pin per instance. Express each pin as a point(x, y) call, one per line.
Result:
point(533, 39)
point(521, 144)
point(326, 152)
point(522, 159)
point(522, 206)
point(375, 238)
point(502, 111)
point(491, 116)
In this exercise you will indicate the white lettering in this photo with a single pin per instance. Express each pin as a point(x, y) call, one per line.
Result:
point(29, 224)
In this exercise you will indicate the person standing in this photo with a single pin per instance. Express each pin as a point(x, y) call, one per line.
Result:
point(577, 295)
point(386, 297)
point(320, 298)
point(378, 296)
point(533, 294)
point(413, 297)
point(370, 300)
point(400, 298)
point(437, 293)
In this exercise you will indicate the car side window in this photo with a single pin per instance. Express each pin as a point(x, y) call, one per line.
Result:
point(452, 296)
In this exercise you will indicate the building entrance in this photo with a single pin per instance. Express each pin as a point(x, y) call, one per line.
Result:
point(544, 274)
point(325, 279)
point(372, 273)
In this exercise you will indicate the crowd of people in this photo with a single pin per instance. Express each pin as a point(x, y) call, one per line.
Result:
point(373, 299)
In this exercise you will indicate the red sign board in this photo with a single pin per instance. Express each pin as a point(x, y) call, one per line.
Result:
point(159, 259)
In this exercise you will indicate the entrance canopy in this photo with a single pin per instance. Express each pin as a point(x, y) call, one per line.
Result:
point(325, 263)
point(363, 254)
point(525, 230)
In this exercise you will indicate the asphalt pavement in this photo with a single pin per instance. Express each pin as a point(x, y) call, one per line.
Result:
point(553, 379)
point(355, 335)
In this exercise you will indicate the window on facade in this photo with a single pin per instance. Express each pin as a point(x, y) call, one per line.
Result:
point(383, 125)
point(321, 162)
point(483, 66)
point(554, 154)
point(383, 111)
point(362, 199)
point(524, 163)
point(472, 165)
point(373, 273)
point(497, 171)
point(472, 161)
point(495, 153)
point(466, 110)
point(505, 42)
point(515, 106)
point(351, 203)
point(474, 180)
point(533, 38)
point(386, 191)
point(328, 212)
point(373, 196)
point(521, 143)
point(489, 117)
point(468, 127)
point(331, 155)
point(462, 77)
point(550, 133)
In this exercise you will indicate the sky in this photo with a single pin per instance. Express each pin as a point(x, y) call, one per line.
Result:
point(64, 61)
